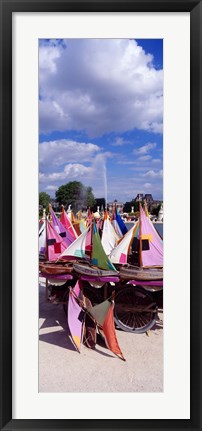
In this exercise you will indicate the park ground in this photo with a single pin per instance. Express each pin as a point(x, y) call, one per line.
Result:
point(63, 369)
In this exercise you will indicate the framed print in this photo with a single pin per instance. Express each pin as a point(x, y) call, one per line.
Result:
point(101, 107)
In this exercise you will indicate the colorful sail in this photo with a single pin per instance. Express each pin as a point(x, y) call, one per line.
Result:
point(153, 227)
point(151, 246)
point(99, 311)
point(151, 223)
point(42, 240)
point(60, 229)
point(116, 226)
point(77, 290)
point(82, 225)
point(89, 241)
point(75, 318)
point(120, 253)
point(55, 244)
point(67, 224)
point(89, 217)
point(77, 248)
point(75, 223)
point(109, 237)
point(89, 223)
point(109, 333)
point(120, 222)
point(99, 257)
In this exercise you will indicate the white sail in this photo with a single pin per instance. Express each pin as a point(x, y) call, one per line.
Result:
point(109, 237)
point(77, 248)
point(117, 228)
point(120, 253)
point(42, 239)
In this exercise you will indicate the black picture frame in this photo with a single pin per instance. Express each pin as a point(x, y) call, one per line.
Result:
point(7, 8)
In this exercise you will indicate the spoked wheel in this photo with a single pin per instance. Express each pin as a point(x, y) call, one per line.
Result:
point(90, 293)
point(135, 310)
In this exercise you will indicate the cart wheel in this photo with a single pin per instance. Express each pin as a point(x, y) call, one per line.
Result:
point(90, 293)
point(135, 310)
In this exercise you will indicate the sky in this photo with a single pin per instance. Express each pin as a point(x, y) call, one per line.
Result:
point(101, 116)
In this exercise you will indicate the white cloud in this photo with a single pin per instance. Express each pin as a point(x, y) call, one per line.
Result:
point(99, 85)
point(147, 185)
point(126, 162)
point(51, 188)
point(144, 158)
point(70, 172)
point(123, 188)
point(145, 149)
point(120, 141)
point(94, 175)
point(57, 153)
point(153, 174)
point(47, 59)
point(156, 161)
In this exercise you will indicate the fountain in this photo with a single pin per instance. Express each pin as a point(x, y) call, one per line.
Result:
point(105, 181)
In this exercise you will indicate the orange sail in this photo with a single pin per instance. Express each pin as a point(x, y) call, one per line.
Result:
point(110, 334)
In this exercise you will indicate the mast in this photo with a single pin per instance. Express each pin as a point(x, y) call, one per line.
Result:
point(140, 236)
point(91, 242)
point(46, 221)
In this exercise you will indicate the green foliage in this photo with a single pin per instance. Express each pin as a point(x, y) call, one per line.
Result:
point(100, 202)
point(128, 206)
point(76, 194)
point(90, 199)
point(44, 199)
point(156, 210)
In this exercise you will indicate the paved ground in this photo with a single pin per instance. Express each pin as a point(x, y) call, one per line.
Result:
point(62, 369)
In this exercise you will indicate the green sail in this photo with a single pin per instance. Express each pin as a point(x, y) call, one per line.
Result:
point(99, 257)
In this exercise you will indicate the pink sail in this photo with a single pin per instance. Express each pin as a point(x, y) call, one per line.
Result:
point(60, 229)
point(68, 225)
point(55, 244)
point(75, 317)
point(151, 243)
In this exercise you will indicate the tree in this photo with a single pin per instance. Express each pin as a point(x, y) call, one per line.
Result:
point(128, 206)
point(44, 199)
point(156, 210)
point(75, 194)
point(90, 199)
point(100, 202)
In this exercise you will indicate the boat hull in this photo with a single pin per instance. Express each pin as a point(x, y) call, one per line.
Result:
point(56, 268)
point(130, 272)
point(93, 271)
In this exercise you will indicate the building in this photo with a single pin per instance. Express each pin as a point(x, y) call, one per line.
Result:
point(119, 206)
point(139, 197)
point(148, 198)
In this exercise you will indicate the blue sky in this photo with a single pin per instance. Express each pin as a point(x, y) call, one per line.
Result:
point(101, 116)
